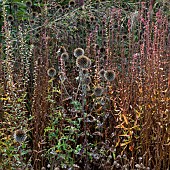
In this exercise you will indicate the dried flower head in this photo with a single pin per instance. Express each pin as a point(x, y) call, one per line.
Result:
point(71, 2)
point(85, 71)
point(98, 91)
point(19, 135)
point(78, 52)
point(28, 3)
point(83, 62)
point(51, 72)
point(65, 56)
point(10, 18)
point(101, 73)
point(87, 80)
point(43, 168)
point(109, 75)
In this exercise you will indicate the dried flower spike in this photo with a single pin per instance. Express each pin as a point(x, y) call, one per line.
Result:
point(78, 52)
point(83, 62)
point(51, 72)
point(20, 135)
point(109, 75)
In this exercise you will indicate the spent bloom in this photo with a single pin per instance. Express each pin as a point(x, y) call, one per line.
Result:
point(78, 52)
point(83, 62)
point(19, 135)
point(109, 75)
point(51, 72)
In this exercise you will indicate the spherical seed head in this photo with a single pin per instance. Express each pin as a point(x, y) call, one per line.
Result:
point(20, 135)
point(51, 72)
point(109, 75)
point(28, 3)
point(83, 62)
point(85, 71)
point(78, 52)
point(98, 91)
point(71, 2)
point(101, 73)
point(65, 56)
point(10, 18)
point(87, 80)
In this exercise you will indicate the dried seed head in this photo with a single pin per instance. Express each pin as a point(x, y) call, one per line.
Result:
point(51, 72)
point(101, 73)
point(10, 18)
point(109, 75)
point(85, 71)
point(78, 52)
point(72, 3)
point(87, 80)
point(83, 62)
point(98, 91)
point(19, 135)
point(43, 168)
point(28, 3)
point(65, 56)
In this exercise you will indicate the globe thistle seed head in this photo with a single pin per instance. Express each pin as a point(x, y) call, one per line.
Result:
point(72, 3)
point(10, 18)
point(19, 135)
point(51, 72)
point(85, 71)
point(78, 52)
point(28, 4)
point(98, 91)
point(87, 80)
point(109, 75)
point(101, 73)
point(65, 56)
point(83, 62)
